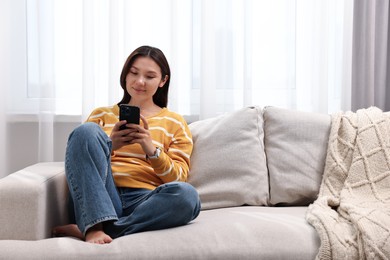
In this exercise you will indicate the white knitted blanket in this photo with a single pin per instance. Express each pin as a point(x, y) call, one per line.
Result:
point(352, 212)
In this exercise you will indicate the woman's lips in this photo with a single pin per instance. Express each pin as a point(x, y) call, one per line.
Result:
point(139, 90)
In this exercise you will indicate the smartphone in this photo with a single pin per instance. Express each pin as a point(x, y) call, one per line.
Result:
point(129, 113)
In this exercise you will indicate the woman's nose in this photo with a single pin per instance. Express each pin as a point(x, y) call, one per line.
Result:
point(141, 80)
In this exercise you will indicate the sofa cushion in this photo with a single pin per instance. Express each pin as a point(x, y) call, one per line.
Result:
point(228, 233)
point(228, 166)
point(295, 145)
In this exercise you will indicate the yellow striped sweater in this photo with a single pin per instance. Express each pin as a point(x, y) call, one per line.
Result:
point(130, 168)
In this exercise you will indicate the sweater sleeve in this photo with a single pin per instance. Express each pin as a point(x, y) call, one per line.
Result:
point(106, 117)
point(96, 116)
point(174, 161)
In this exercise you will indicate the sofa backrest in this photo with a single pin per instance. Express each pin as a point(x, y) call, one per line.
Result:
point(259, 157)
point(295, 145)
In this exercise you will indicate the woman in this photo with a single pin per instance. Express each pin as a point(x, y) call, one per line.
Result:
point(132, 180)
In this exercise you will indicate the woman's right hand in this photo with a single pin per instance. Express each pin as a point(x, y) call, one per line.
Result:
point(119, 137)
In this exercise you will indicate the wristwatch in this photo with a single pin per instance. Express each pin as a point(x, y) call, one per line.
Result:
point(156, 154)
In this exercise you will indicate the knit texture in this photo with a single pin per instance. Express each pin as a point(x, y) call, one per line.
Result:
point(131, 168)
point(352, 212)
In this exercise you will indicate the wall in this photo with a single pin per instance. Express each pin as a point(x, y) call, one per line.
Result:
point(22, 143)
point(4, 30)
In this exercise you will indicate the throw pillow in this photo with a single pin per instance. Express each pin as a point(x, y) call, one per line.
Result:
point(228, 165)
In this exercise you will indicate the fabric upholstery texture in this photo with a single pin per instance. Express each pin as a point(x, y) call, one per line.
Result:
point(228, 233)
point(295, 145)
point(228, 165)
point(228, 168)
point(33, 202)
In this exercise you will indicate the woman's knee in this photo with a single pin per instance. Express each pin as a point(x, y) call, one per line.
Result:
point(89, 136)
point(187, 197)
point(86, 130)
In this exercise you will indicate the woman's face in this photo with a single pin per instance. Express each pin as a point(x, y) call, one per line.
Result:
point(143, 79)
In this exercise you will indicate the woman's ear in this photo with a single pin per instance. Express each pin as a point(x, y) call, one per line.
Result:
point(163, 81)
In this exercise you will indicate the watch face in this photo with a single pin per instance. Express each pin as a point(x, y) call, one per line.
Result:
point(156, 154)
point(158, 151)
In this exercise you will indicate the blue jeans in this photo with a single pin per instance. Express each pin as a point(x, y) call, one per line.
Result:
point(94, 198)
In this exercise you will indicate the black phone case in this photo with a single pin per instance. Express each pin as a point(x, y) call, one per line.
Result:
point(130, 114)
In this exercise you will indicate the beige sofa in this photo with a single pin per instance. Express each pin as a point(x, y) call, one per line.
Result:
point(256, 169)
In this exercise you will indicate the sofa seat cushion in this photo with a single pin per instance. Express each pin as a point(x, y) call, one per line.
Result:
point(228, 233)
point(228, 165)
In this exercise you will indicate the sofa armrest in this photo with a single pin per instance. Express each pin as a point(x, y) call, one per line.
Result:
point(33, 201)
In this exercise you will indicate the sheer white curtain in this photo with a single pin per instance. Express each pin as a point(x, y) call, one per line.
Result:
point(294, 54)
point(224, 55)
point(323, 55)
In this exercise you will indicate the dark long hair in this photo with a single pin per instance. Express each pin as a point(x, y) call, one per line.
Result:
point(160, 98)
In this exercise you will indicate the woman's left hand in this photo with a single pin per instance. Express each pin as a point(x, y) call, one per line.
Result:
point(142, 136)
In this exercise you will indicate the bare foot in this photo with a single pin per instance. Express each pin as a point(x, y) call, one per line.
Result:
point(96, 235)
point(70, 230)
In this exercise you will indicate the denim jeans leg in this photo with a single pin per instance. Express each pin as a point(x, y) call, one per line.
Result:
point(88, 171)
point(169, 205)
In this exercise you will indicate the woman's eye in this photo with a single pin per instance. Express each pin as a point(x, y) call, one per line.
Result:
point(133, 72)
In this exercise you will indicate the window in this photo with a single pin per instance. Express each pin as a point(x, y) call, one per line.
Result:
point(224, 54)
